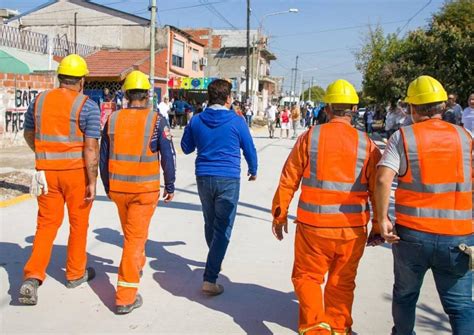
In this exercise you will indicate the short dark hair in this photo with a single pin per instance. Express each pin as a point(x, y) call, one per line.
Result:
point(68, 80)
point(218, 91)
point(136, 95)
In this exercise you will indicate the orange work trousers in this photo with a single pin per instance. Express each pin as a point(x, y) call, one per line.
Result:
point(314, 257)
point(67, 186)
point(135, 211)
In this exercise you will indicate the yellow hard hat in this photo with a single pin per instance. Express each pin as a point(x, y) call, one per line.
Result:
point(74, 66)
point(341, 92)
point(425, 90)
point(136, 80)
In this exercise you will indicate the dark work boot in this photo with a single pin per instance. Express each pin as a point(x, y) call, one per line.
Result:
point(88, 275)
point(29, 292)
point(125, 309)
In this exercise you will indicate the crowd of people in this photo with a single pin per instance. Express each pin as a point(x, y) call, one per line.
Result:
point(344, 178)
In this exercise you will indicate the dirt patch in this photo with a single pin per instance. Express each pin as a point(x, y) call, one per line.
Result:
point(14, 184)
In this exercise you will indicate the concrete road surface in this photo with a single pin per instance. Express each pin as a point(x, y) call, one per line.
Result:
point(258, 296)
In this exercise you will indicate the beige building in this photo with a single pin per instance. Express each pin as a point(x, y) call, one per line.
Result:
point(96, 25)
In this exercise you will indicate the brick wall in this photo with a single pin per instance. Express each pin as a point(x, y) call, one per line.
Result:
point(17, 91)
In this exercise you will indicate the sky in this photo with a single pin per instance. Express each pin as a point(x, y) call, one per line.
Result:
point(324, 33)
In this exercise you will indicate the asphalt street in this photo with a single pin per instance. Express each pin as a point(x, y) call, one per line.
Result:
point(258, 297)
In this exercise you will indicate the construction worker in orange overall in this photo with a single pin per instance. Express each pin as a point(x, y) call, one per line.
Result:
point(433, 209)
point(133, 141)
point(336, 165)
point(62, 127)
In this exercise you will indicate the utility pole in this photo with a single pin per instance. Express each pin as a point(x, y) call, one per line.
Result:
point(75, 32)
point(294, 81)
point(247, 72)
point(310, 89)
point(152, 9)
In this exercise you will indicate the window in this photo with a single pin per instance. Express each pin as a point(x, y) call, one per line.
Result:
point(178, 53)
point(195, 57)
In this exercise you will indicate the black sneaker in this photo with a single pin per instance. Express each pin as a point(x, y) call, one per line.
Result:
point(29, 292)
point(125, 309)
point(88, 275)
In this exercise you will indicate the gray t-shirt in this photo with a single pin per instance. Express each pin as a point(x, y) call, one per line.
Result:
point(394, 154)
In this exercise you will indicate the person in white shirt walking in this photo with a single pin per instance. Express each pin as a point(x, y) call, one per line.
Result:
point(468, 115)
point(164, 107)
point(270, 114)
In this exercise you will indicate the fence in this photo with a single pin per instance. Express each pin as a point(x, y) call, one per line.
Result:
point(37, 42)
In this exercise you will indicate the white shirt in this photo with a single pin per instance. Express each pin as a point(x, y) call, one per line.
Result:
point(468, 119)
point(271, 113)
point(164, 108)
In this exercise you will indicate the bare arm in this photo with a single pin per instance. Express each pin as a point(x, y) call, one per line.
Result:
point(29, 136)
point(91, 157)
point(383, 186)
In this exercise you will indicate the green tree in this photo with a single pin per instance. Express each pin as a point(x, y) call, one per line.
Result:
point(443, 50)
point(317, 93)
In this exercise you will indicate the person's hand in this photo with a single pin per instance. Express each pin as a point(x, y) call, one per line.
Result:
point(251, 178)
point(278, 228)
point(374, 240)
point(90, 193)
point(388, 231)
point(168, 197)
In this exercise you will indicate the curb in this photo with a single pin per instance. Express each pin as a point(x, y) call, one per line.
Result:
point(15, 201)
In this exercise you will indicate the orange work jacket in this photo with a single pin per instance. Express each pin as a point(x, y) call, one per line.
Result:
point(435, 194)
point(59, 142)
point(334, 187)
point(133, 168)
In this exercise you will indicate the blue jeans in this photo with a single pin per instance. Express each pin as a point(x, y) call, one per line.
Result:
point(413, 256)
point(219, 197)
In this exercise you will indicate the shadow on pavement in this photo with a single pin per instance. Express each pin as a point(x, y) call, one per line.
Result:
point(13, 258)
point(249, 305)
point(433, 321)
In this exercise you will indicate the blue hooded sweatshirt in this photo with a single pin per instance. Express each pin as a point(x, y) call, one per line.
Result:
point(218, 134)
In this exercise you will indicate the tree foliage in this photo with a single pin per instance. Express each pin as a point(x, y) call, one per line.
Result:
point(317, 93)
point(443, 50)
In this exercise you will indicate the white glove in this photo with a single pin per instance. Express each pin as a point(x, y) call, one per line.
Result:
point(39, 185)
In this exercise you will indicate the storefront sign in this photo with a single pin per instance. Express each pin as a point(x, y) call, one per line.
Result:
point(190, 83)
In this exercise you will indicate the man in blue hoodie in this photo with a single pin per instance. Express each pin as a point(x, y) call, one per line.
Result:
point(219, 134)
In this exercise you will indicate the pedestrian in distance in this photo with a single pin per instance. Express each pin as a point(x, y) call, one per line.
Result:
point(133, 141)
point(248, 115)
point(285, 122)
point(180, 106)
point(270, 114)
point(456, 109)
point(164, 108)
point(295, 118)
point(62, 127)
point(468, 115)
point(219, 134)
point(278, 118)
point(368, 120)
point(433, 209)
point(336, 166)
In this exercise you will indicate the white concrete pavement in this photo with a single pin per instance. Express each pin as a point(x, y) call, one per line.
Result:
point(258, 297)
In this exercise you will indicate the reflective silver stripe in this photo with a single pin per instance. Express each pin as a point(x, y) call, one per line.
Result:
point(125, 284)
point(134, 179)
point(417, 185)
point(434, 213)
point(74, 116)
point(59, 138)
point(133, 158)
point(59, 155)
point(147, 137)
point(75, 109)
point(313, 180)
point(333, 209)
point(39, 111)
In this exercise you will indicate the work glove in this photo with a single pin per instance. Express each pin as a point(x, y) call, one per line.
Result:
point(470, 252)
point(39, 185)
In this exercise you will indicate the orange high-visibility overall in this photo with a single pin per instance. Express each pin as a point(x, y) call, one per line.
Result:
point(435, 194)
point(134, 175)
point(337, 166)
point(59, 145)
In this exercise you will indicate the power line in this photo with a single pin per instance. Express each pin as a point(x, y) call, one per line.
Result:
point(213, 10)
point(414, 15)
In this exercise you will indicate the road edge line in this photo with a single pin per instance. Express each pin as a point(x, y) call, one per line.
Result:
point(15, 201)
